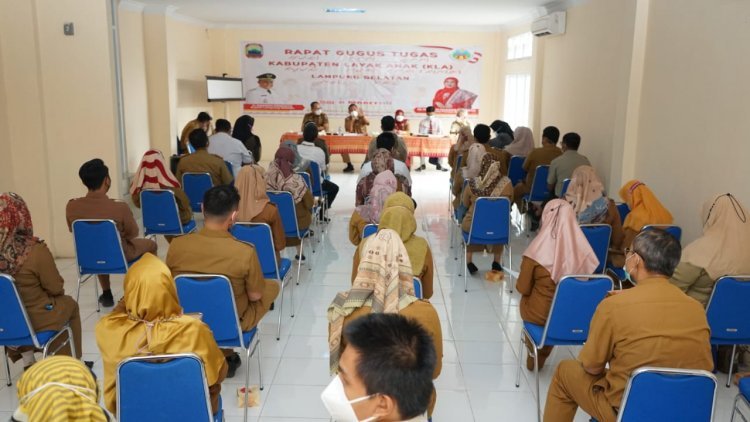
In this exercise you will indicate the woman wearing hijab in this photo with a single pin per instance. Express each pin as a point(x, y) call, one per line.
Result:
point(523, 142)
point(451, 96)
point(381, 161)
point(722, 250)
point(281, 177)
point(243, 130)
point(503, 134)
point(461, 122)
point(369, 212)
point(255, 207)
point(383, 284)
point(299, 164)
point(558, 250)
point(592, 206)
point(489, 183)
point(463, 142)
point(28, 260)
point(398, 215)
point(402, 123)
point(645, 209)
point(59, 389)
point(149, 321)
point(473, 164)
point(154, 173)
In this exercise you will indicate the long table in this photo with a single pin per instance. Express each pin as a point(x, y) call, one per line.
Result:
point(420, 146)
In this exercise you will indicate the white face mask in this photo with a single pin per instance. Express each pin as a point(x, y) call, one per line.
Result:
point(338, 405)
point(399, 118)
point(318, 112)
point(354, 114)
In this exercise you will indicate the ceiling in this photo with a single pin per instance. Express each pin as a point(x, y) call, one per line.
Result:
point(448, 14)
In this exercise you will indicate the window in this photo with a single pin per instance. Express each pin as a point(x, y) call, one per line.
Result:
point(519, 46)
point(517, 93)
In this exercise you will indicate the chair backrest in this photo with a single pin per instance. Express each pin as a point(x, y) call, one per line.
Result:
point(259, 235)
point(230, 167)
point(418, 288)
point(15, 326)
point(668, 394)
point(727, 311)
point(490, 224)
point(623, 209)
point(539, 188)
point(516, 173)
point(98, 247)
point(176, 389)
point(459, 160)
point(285, 203)
point(212, 296)
point(160, 213)
point(306, 177)
point(672, 229)
point(369, 230)
point(565, 185)
point(195, 186)
point(598, 236)
point(190, 147)
point(573, 306)
point(317, 182)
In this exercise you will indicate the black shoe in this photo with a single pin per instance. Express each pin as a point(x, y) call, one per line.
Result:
point(298, 258)
point(324, 219)
point(233, 362)
point(349, 168)
point(89, 363)
point(496, 266)
point(443, 169)
point(273, 305)
point(106, 299)
point(438, 167)
point(472, 268)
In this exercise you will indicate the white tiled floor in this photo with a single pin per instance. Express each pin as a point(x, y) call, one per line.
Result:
point(481, 329)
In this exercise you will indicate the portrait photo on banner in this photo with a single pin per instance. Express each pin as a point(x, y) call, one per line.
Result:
point(285, 77)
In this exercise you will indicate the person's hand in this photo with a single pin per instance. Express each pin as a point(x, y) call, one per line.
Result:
point(614, 292)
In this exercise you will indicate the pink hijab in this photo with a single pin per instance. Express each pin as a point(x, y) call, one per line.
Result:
point(383, 186)
point(523, 142)
point(560, 246)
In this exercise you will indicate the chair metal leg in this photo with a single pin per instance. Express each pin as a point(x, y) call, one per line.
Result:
point(520, 361)
point(291, 297)
point(96, 294)
point(281, 310)
point(731, 364)
point(466, 286)
point(7, 366)
point(247, 377)
point(299, 261)
point(536, 373)
point(510, 268)
point(260, 369)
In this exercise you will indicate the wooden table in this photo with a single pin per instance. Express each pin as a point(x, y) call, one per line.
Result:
point(419, 146)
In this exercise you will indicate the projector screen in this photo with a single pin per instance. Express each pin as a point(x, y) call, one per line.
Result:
point(224, 89)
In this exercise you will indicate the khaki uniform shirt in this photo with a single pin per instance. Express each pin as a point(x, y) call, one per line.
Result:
point(537, 291)
point(652, 324)
point(189, 127)
point(320, 121)
point(399, 150)
point(358, 125)
point(203, 162)
point(542, 156)
point(562, 168)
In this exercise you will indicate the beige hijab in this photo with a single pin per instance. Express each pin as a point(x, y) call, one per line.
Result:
point(585, 188)
point(251, 184)
point(474, 160)
point(561, 246)
point(723, 248)
point(523, 142)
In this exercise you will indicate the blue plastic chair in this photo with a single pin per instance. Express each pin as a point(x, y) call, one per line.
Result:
point(539, 188)
point(743, 397)
point(260, 236)
point(161, 215)
point(728, 314)
point(565, 185)
point(418, 288)
point(317, 186)
point(668, 394)
point(316, 206)
point(456, 219)
point(212, 296)
point(230, 167)
point(516, 173)
point(285, 204)
point(573, 306)
point(623, 209)
point(177, 389)
point(598, 236)
point(16, 329)
point(459, 159)
point(195, 186)
point(98, 251)
point(191, 149)
point(490, 225)
point(369, 229)
point(672, 229)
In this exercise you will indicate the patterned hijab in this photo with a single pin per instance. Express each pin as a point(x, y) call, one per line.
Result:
point(645, 208)
point(251, 184)
point(384, 282)
point(383, 186)
point(281, 176)
point(298, 163)
point(153, 173)
point(59, 389)
point(16, 233)
point(381, 161)
point(490, 181)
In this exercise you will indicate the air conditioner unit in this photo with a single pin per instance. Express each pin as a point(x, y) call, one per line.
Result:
point(552, 24)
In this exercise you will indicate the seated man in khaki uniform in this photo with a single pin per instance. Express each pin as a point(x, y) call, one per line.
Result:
point(96, 205)
point(213, 250)
point(201, 161)
point(542, 156)
point(652, 324)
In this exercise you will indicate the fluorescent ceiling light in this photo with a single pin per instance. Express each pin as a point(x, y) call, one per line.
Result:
point(344, 10)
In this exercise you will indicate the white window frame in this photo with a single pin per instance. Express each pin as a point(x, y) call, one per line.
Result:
point(516, 109)
point(520, 46)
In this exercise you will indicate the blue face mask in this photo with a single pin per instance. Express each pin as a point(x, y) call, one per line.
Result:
point(625, 270)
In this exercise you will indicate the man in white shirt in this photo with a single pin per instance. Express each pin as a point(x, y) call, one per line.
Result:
point(230, 149)
point(309, 151)
point(263, 93)
point(386, 140)
point(430, 126)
